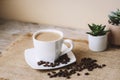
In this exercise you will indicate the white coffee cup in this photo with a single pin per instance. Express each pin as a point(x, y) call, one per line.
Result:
point(50, 50)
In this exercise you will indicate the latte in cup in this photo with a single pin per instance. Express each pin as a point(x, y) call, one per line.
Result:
point(47, 36)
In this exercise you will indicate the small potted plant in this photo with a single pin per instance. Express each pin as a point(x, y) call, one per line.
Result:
point(114, 21)
point(97, 38)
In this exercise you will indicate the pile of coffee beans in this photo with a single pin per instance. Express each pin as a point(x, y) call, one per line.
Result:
point(85, 63)
point(64, 59)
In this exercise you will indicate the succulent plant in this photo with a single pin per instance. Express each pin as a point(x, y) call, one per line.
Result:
point(114, 18)
point(97, 30)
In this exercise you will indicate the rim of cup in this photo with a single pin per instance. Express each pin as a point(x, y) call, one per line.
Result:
point(48, 30)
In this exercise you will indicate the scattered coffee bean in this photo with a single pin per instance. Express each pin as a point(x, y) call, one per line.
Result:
point(103, 65)
point(49, 74)
point(64, 59)
point(85, 63)
point(99, 66)
point(78, 74)
point(54, 72)
point(47, 62)
point(68, 77)
point(39, 63)
point(87, 74)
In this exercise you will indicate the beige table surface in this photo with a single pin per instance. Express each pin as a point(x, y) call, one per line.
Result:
point(14, 67)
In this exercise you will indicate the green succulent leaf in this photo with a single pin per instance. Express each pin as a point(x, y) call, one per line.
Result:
point(91, 27)
point(114, 17)
point(97, 30)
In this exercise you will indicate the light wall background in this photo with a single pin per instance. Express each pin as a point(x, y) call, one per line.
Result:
point(66, 13)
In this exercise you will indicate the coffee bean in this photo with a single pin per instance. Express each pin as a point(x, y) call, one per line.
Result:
point(53, 72)
point(103, 65)
point(57, 63)
point(87, 74)
point(45, 65)
point(47, 62)
point(42, 62)
point(90, 69)
point(39, 63)
point(68, 77)
point(78, 74)
point(72, 71)
point(49, 74)
point(55, 75)
point(99, 66)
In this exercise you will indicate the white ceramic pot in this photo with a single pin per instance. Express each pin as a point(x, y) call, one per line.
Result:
point(114, 35)
point(97, 43)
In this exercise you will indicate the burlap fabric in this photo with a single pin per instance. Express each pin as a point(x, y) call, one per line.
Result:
point(14, 67)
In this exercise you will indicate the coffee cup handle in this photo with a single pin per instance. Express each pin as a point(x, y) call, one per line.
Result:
point(67, 49)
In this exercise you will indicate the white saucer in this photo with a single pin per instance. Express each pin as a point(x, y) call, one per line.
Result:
point(32, 60)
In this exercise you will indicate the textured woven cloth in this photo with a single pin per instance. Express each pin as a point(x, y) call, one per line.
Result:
point(14, 67)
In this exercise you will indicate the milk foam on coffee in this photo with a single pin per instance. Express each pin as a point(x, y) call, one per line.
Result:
point(47, 36)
